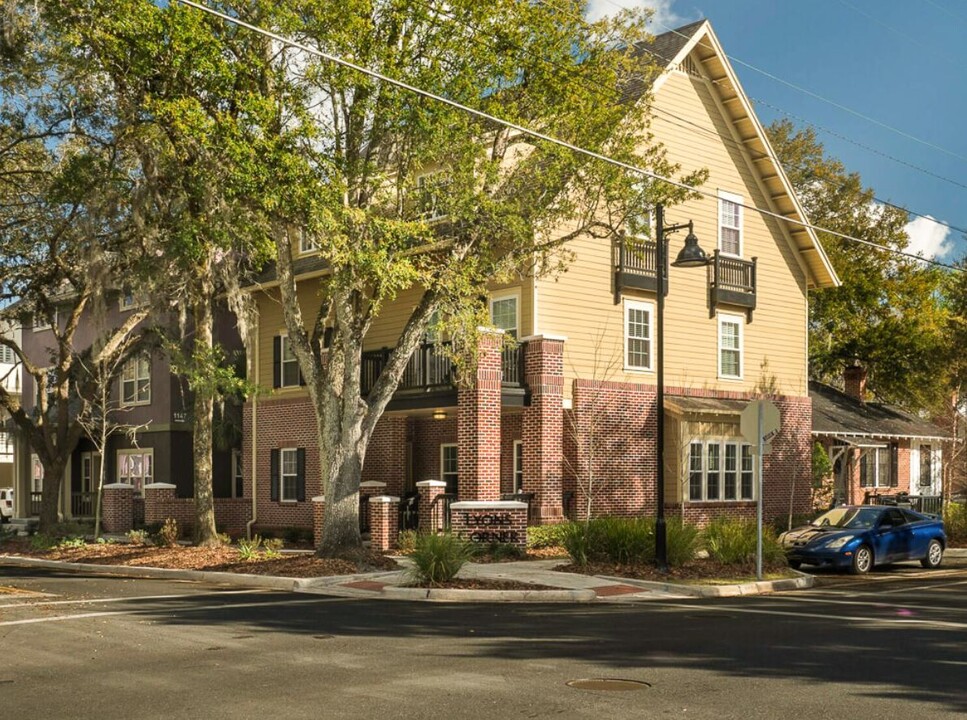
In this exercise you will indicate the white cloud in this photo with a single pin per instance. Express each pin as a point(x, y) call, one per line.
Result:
point(928, 238)
point(663, 18)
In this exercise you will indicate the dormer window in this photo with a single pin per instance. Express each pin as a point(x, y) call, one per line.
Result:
point(307, 243)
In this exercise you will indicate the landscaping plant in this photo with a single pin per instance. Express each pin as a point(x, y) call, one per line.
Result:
point(168, 533)
point(438, 558)
point(733, 542)
point(248, 549)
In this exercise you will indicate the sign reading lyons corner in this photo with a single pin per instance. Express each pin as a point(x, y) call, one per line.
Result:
point(490, 521)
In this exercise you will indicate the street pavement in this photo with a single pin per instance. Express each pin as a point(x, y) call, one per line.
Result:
point(75, 645)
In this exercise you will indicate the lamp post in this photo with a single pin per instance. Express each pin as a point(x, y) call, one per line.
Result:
point(690, 256)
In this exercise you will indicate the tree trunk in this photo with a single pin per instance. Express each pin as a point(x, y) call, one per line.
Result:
point(204, 404)
point(53, 476)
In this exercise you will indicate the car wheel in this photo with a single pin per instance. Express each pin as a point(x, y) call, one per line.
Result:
point(862, 560)
point(934, 555)
point(795, 564)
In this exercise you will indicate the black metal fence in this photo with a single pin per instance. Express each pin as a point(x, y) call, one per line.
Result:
point(932, 504)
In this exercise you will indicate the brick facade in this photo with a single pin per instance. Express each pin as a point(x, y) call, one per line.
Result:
point(117, 508)
point(478, 424)
point(161, 503)
point(543, 427)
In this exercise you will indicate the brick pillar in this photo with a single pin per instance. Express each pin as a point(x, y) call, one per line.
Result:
point(384, 518)
point(368, 489)
point(429, 491)
point(543, 427)
point(478, 424)
point(318, 515)
point(118, 508)
point(158, 499)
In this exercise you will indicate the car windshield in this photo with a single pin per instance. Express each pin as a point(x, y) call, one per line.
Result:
point(848, 517)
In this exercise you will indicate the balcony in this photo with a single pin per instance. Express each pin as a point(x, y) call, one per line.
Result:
point(429, 377)
point(731, 281)
point(634, 260)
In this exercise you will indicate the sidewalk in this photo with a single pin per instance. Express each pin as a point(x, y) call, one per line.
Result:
point(568, 587)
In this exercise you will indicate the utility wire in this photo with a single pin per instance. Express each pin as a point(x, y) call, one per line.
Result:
point(543, 136)
point(817, 96)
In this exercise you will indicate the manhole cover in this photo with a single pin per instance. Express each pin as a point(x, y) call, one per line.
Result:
point(610, 684)
point(323, 637)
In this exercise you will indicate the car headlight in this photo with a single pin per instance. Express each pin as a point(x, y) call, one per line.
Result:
point(837, 543)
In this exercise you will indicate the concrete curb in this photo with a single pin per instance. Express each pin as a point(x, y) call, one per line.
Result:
point(450, 595)
point(757, 587)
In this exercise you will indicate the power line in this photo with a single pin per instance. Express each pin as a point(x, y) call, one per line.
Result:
point(817, 96)
point(542, 136)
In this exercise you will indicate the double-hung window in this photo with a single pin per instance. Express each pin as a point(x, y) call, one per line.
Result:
point(136, 468)
point(288, 478)
point(730, 223)
point(518, 466)
point(877, 467)
point(720, 470)
point(136, 381)
point(638, 335)
point(504, 313)
point(448, 466)
point(285, 365)
point(730, 346)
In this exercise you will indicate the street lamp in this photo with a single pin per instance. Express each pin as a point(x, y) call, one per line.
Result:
point(690, 256)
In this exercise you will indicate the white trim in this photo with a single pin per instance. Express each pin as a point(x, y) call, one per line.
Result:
point(283, 342)
point(145, 453)
point(738, 201)
point(649, 307)
point(545, 336)
point(135, 362)
point(739, 322)
point(443, 475)
point(844, 436)
point(384, 499)
point(720, 442)
point(518, 452)
point(160, 486)
point(283, 476)
point(431, 483)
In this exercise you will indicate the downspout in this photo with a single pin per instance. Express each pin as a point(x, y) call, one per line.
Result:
point(255, 426)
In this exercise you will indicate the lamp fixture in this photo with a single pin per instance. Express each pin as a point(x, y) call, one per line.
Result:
point(439, 415)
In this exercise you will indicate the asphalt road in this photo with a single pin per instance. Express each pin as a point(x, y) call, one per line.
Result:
point(893, 645)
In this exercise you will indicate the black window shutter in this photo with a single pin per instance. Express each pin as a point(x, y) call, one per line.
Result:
point(300, 486)
point(894, 465)
point(277, 361)
point(865, 479)
point(274, 475)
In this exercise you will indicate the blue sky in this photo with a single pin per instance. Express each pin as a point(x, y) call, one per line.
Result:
point(900, 63)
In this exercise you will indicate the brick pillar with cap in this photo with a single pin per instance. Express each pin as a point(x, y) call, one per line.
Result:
point(543, 427)
point(478, 423)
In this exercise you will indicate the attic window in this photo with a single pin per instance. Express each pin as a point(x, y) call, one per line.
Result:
point(689, 67)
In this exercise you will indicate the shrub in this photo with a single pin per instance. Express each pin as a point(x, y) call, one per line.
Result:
point(502, 551)
point(438, 558)
point(272, 547)
point(295, 535)
point(626, 541)
point(248, 549)
point(734, 542)
point(577, 542)
point(224, 538)
point(543, 536)
point(955, 522)
point(168, 533)
point(42, 541)
point(138, 537)
point(681, 541)
point(70, 542)
point(406, 542)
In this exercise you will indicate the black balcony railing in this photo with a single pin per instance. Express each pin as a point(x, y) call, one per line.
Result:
point(731, 281)
point(635, 261)
point(932, 504)
point(431, 368)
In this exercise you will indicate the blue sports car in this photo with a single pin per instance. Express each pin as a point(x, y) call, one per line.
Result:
point(857, 537)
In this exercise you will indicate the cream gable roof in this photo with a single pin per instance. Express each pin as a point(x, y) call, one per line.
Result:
point(699, 43)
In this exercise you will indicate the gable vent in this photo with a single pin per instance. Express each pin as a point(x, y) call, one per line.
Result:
point(689, 67)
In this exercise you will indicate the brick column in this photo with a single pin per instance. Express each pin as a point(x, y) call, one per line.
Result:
point(159, 498)
point(368, 489)
point(384, 518)
point(429, 491)
point(543, 427)
point(118, 508)
point(318, 515)
point(478, 423)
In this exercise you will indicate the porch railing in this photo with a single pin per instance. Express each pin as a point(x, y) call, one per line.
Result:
point(82, 504)
point(513, 365)
point(635, 262)
point(731, 282)
point(35, 498)
point(932, 504)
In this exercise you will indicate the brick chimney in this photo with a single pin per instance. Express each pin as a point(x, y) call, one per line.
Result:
point(854, 381)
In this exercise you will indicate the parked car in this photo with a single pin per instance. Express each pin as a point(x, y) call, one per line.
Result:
point(857, 537)
point(6, 504)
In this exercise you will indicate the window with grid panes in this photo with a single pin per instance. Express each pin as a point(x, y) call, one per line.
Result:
point(638, 335)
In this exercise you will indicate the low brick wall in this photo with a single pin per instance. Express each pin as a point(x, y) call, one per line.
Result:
point(117, 508)
point(485, 522)
point(161, 503)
